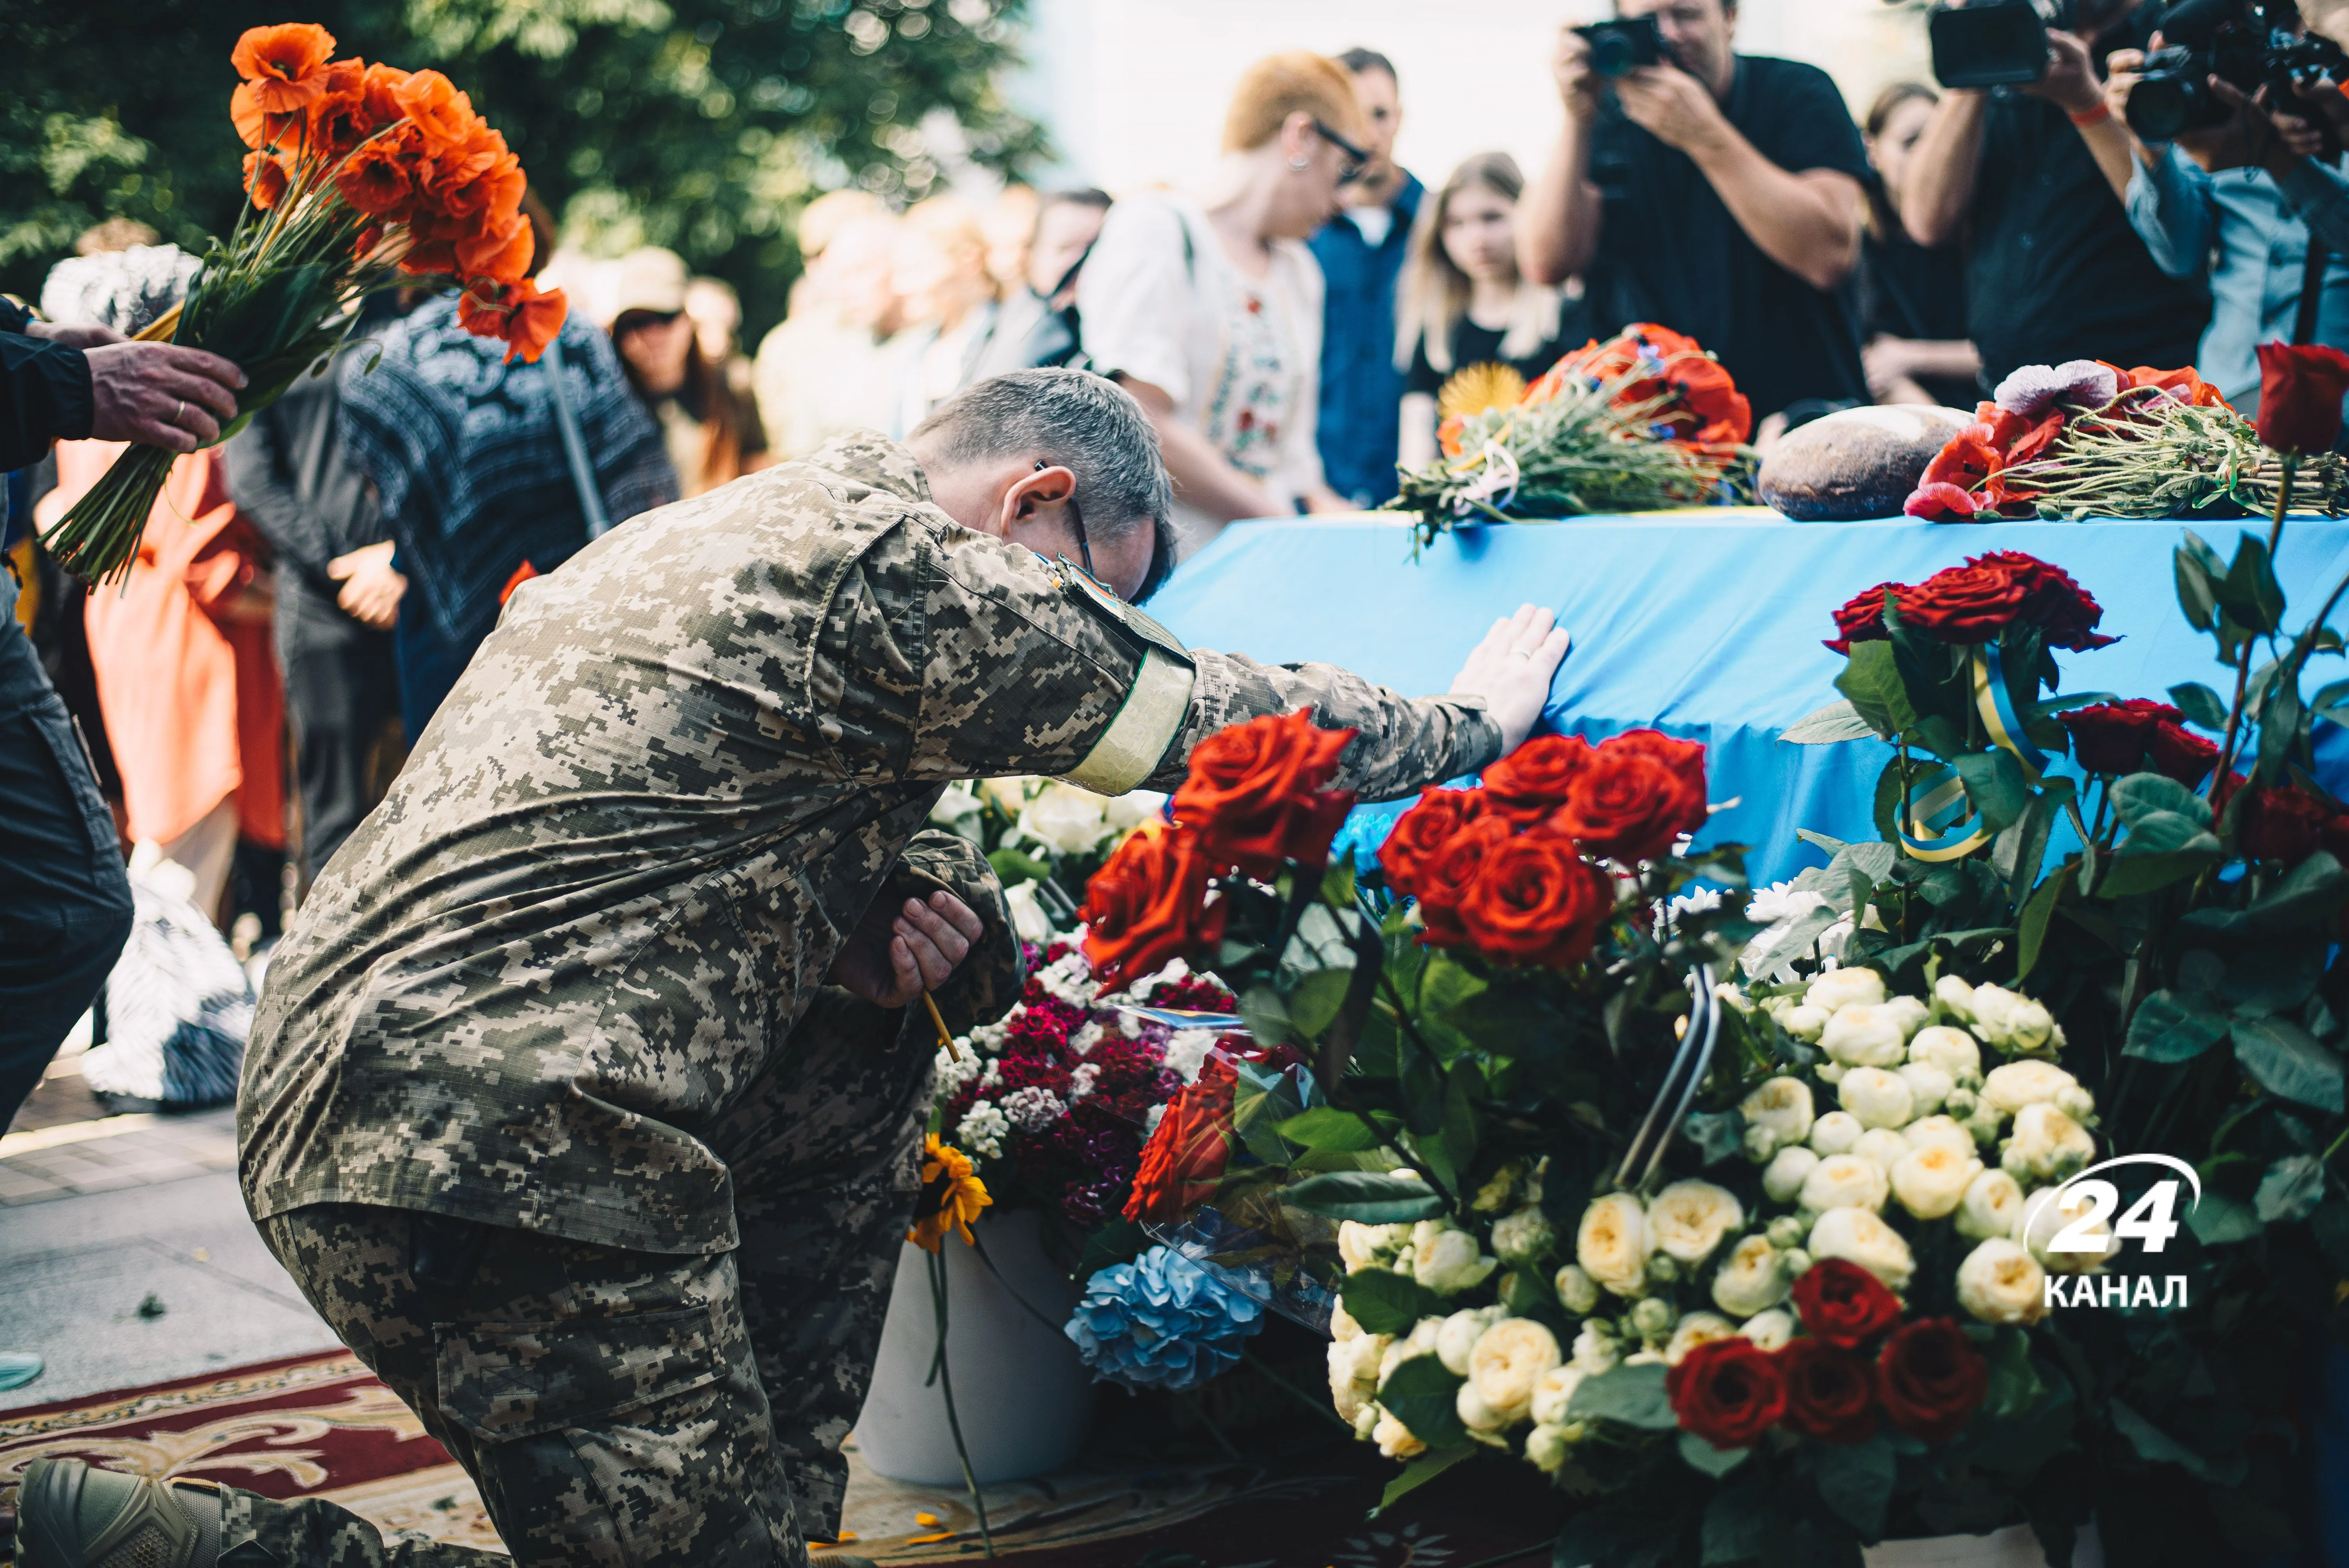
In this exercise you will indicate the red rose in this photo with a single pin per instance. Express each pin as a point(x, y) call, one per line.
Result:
point(1447, 876)
point(1727, 1391)
point(1931, 1378)
point(1628, 804)
point(1963, 603)
point(2299, 396)
point(1530, 782)
point(1536, 902)
point(1186, 1157)
point(2181, 754)
point(1685, 757)
point(2112, 736)
point(2285, 825)
point(1861, 620)
point(1255, 793)
point(1933, 502)
point(1426, 829)
point(2065, 610)
point(1843, 1303)
point(1148, 904)
point(1830, 1393)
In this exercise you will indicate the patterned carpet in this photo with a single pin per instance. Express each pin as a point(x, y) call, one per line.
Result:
point(322, 1426)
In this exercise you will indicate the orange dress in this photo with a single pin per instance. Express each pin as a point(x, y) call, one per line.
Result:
point(193, 704)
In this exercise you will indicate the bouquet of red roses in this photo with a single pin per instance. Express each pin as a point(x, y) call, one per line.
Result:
point(361, 177)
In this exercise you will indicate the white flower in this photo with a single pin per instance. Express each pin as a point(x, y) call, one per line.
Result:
point(1878, 1099)
point(1508, 1359)
point(1394, 1438)
point(1777, 906)
point(1354, 1373)
point(991, 1074)
point(1342, 1326)
point(1151, 1118)
point(2011, 1022)
point(1932, 1182)
point(1942, 1130)
point(1782, 1178)
point(1912, 1013)
point(2076, 1103)
point(983, 1128)
point(989, 1039)
point(1087, 1038)
point(1130, 811)
point(1446, 1259)
point(1070, 980)
point(1749, 1279)
point(1652, 1317)
point(1361, 1246)
point(1951, 1050)
point(2018, 1084)
point(1459, 1333)
point(1065, 819)
point(1993, 1206)
point(1612, 1243)
point(1844, 1181)
point(1553, 1391)
point(1546, 1448)
point(1474, 1414)
point(1697, 1328)
point(1595, 1350)
point(955, 802)
point(1032, 1110)
point(1836, 1132)
point(2000, 1281)
point(1831, 1072)
point(2046, 1143)
point(1928, 1085)
point(2030, 391)
point(1029, 920)
point(1365, 1354)
point(1840, 988)
point(1881, 1144)
point(1955, 997)
point(1862, 1237)
point(1523, 1238)
point(1861, 1036)
point(954, 1072)
point(1187, 1053)
point(2044, 1217)
point(1805, 1022)
point(1688, 1219)
point(1770, 1329)
point(1784, 1105)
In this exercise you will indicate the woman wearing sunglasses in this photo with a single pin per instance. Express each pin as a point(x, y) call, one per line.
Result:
point(1210, 313)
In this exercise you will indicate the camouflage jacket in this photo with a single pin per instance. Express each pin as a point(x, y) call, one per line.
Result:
point(627, 850)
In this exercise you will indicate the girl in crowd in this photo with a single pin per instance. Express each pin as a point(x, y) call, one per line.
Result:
point(712, 437)
point(1211, 315)
point(1912, 298)
point(1461, 300)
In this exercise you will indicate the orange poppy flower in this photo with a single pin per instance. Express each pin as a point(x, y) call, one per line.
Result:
point(339, 118)
point(519, 313)
point(501, 253)
point(286, 64)
point(254, 127)
point(427, 257)
point(265, 179)
point(380, 87)
point(434, 106)
point(2183, 385)
point(1965, 462)
point(377, 179)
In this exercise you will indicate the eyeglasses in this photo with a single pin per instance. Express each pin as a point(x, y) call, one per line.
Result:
point(1357, 161)
point(1076, 517)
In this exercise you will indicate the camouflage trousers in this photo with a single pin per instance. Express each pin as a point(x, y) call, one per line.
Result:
point(630, 1409)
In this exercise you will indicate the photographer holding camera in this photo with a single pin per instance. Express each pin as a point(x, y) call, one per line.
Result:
point(1715, 193)
point(2055, 271)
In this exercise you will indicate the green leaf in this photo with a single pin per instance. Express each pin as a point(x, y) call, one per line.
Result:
point(1420, 1472)
point(1444, 984)
point(1370, 1197)
point(1633, 1396)
point(1314, 1001)
point(2029, 846)
point(1739, 1522)
point(2287, 1060)
point(2014, 1385)
point(1337, 884)
point(1327, 1127)
point(2280, 726)
point(2217, 1219)
point(1797, 940)
point(1700, 1455)
point(1385, 1302)
point(1885, 812)
point(1829, 844)
point(2250, 590)
point(2201, 705)
point(2147, 873)
point(2290, 1189)
point(2156, 1447)
point(2328, 702)
point(1265, 1011)
point(2140, 795)
point(1422, 1394)
point(2032, 925)
point(1012, 868)
point(1837, 721)
point(2175, 1026)
point(2199, 572)
point(1855, 1481)
point(1995, 784)
point(2312, 890)
point(1871, 679)
point(1626, 1533)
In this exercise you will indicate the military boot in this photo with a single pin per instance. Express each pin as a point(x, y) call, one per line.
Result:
point(71, 1516)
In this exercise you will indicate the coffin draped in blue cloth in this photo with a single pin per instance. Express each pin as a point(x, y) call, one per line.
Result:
point(1707, 625)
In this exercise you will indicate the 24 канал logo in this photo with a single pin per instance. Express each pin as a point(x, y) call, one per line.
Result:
point(2102, 1228)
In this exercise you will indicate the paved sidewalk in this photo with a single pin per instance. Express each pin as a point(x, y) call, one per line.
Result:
point(110, 1153)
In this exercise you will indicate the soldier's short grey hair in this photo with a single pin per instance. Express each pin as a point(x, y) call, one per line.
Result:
point(1077, 420)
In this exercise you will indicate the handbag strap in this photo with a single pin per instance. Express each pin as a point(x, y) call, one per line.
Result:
point(575, 447)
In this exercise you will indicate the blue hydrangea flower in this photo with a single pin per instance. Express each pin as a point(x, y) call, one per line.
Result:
point(1163, 1320)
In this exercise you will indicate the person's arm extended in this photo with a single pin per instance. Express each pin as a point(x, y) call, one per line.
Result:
point(2320, 197)
point(1204, 478)
point(1416, 446)
point(2169, 205)
point(1938, 190)
point(1558, 221)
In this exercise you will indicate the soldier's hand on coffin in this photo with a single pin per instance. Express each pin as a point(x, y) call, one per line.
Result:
point(1511, 669)
point(905, 946)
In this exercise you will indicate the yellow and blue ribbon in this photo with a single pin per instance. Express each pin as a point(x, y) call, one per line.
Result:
point(1937, 822)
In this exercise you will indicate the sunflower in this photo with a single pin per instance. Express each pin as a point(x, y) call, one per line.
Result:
point(1476, 389)
point(951, 1196)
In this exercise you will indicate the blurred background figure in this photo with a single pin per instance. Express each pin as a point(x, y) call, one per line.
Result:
point(717, 312)
point(1010, 225)
point(712, 435)
point(471, 476)
point(823, 369)
point(1361, 252)
point(1211, 315)
point(946, 303)
point(1036, 322)
point(1464, 309)
point(1913, 297)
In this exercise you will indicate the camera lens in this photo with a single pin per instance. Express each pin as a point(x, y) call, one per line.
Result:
point(1611, 55)
point(2159, 107)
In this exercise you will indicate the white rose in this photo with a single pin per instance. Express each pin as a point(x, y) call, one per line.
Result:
point(1860, 1236)
point(1955, 997)
point(1770, 1329)
point(1784, 1105)
point(1576, 1291)
point(1008, 796)
point(1881, 1144)
point(2018, 1084)
point(1782, 1178)
point(1912, 1013)
point(2076, 1103)
point(1932, 1182)
point(1446, 1260)
point(1878, 1099)
point(1840, 988)
point(1861, 1036)
point(1350, 1388)
point(1749, 1279)
point(1595, 1351)
point(1697, 1328)
point(1523, 1238)
point(1612, 1245)
point(1361, 1246)
point(1362, 1357)
point(1846, 1181)
point(1831, 1072)
point(1458, 1336)
point(1342, 1326)
point(1942, 1130)
point(1130, 811)
point(1027, 917)
point(958, 803)
point(1951, 1050)
point(1474, 1414)
point(1069, 820)
point(1652, 1317)
point(1836, 1132)
point(2043, 1218)
point(1553, 1391)
point(1805, 1022)
point(1394, 1438)
point(1929, 1086)
point(1546, 1448)
point(2011, 1021)
point(2000, 1282)
point(2046, 1143)
point(1508, 1359)
point(1688, 1219)
point(1992, 1207)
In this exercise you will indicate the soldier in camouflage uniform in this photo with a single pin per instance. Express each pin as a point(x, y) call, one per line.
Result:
point(585, 1101)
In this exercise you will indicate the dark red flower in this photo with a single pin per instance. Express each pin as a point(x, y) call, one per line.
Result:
point(1255, 797)
point(1830, 1392)
point(1531, 782)
point(1861, 620)
point(1931, 1378)
point(2181, 754)
point(1423, 831)
point(2111, 737)
point(1148, 904)
point(2281, 824)
point(2300, 386)
point(1629, 802)
point(1445, 878)
point(1843, 1303)
point(1727, 1391)
point(1186, 1157)
point(1536, 901)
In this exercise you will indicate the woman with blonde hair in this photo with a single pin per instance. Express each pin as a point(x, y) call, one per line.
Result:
point(1210, 314)
point(1462, 305)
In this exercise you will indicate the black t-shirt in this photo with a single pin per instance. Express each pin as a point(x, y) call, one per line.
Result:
point(1473, 344)
point(1914, 291)
point(2057, 273)
point(1670, 253)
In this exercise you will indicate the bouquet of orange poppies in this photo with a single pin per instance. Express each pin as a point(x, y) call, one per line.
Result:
point(362, 176)
point(1642, 422)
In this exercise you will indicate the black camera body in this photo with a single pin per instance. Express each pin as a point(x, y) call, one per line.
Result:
point(2249, 44)
point(1994, 43)
point(1619, 48)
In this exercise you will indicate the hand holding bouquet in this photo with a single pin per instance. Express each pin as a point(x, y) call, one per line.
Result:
point(361, 177)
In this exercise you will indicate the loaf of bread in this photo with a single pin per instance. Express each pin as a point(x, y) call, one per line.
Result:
point(1861, 462)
